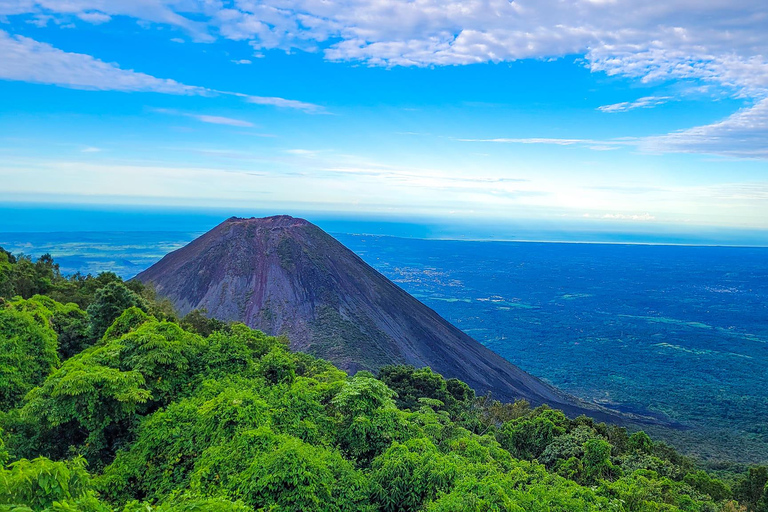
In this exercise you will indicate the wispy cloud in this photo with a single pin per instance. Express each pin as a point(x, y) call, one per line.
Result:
point(537, 140)
point(740, 135)
point(743, 134)
point(284, 103)
point(27, 60)
point(309, 153)
point(94, 17)
point(24, 59)
point(168, 12)
point(204, 118)
point(644, 217)
point(593, 144)
point(645, 102)
point(222, 120)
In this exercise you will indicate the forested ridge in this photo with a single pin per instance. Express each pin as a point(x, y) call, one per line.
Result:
point(109, 401)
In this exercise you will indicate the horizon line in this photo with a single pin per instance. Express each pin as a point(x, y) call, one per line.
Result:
point(198, 233)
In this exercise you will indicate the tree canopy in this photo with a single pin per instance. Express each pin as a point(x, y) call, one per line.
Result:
point(121, 407)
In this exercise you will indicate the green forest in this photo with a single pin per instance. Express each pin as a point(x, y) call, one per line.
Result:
point(111, 402)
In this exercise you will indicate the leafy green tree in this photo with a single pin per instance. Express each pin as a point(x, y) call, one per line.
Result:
point(645, 490)
point(108, 304)
point(277, 367)
point(408, 475)
point(752, 489)
point(363, 395)
point(706, 484)
point(42, 484)
point(597, 461)
point(257, 341)
point(128, 321)
point(298, 410)
point(27, 354)
point(31, 278)
point(7, 261)
point(68, 321)
point(87, 403)
point(160, 460)
point(529, 436)
point(460, 391)
point(81, 289)
point(493, 413)
point(617, 436)
point(297, 476)
point(190, 503)
point(526, 487)
point(168, 358)
point(159, 307)
point(472, 495)
point(73, 328)
point(566, 446)
point(369, 419)
point(640, 442)
point(410, 384)
point(197, 321)
point(4, 455)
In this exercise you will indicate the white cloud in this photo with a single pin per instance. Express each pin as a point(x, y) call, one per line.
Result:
point(222, 120)
point(204, 118)
point(645, 102)
point(538, 140)
point(595, 145)
point(40, 20)
point(9, 7)
point(718, 44)
point(720, 41)
point(94, 17)
point(302, 152)
point(717, 40)
point(25, 59)
point(172, 12)
point(242, 61)
point(624, 216)
point(743, 134)
point(282, 102)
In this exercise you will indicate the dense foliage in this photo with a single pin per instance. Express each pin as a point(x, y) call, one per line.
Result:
point(110, 403)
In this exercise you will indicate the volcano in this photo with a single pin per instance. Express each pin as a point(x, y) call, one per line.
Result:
point(285, 276)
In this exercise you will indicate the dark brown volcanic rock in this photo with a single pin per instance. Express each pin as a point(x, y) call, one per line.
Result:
point(284, 275)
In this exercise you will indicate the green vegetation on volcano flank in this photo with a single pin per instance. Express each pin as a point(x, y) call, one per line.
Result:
point(157, 413)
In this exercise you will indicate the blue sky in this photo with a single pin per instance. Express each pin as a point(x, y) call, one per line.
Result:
point(607, 112)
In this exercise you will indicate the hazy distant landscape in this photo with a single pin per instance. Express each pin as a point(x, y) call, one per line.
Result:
point(675, 330)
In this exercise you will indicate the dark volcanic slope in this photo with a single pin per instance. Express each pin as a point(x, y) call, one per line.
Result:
point(286, 276)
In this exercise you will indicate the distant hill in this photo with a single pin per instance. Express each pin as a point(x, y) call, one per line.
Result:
point(284, 275)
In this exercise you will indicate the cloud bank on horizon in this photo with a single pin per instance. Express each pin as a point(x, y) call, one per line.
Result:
point(715, 50)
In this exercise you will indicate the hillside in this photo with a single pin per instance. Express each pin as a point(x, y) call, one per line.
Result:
point(284, 275)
